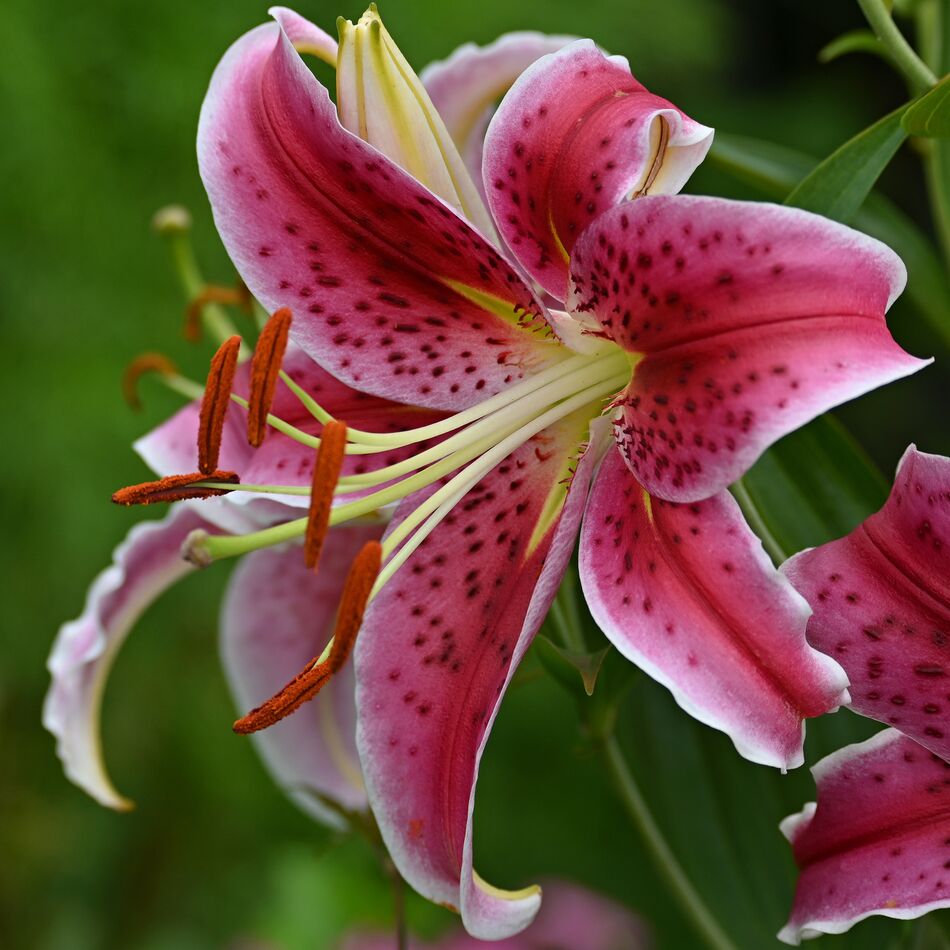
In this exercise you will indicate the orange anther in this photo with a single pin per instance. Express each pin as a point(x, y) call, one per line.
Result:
point(146, 363)
point(214, 405)
point(326, 473)
point(174, 488)
point(303, 687)
point(238, 296)
point(265, 367)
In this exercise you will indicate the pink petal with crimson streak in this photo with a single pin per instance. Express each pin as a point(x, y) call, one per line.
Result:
point(317, 220)
point(276, 616)
point(465, 86)
point(576, 135)
point(878, 841)
point(571, 917)
point(437, 650)
point(881, 601)
point(688, 594)
point(144, 566)
point(172, 446)
point(751, 320)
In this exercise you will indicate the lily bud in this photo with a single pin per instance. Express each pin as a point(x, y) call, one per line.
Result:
point(381, 99)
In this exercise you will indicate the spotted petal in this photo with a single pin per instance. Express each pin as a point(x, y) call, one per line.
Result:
point(576, 135)
point(747, 319)
point(146, 564)
point(437, 650)
point(881, 601)
point(877, 841)
point(392, 291)
point(688, 594)
point(465, 86)
point(276, 616)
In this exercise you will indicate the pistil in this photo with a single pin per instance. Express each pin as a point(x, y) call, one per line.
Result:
point(214, 405)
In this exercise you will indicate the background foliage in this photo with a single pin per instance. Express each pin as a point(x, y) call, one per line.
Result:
point(100, 103)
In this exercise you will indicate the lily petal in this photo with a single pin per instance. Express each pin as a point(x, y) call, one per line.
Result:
point(381, 100)
point(688, 594)
point(438, 648)
point(276, 615)
point(392, 292)
point(145, 565)
point(171, 447)
point(747, 319)
point(465, 87)
point(881, 601)
point(307, 37)
point(576, 135)
point(876, 843)
point(571, 917)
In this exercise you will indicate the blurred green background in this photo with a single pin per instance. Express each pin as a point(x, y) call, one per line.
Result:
point(99, 106)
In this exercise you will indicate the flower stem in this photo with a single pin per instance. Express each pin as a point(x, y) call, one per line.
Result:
point(639, 812)
point(917, 73)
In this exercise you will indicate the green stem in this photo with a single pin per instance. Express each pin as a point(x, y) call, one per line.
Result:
point(907, 61)
point(638, 810)
point(754, 516)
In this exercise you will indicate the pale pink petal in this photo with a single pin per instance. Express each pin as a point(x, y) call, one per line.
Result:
point(881, 601)
point(465, 86)
point(276, 616)
point(878, 841)
point(144, 566)
point(437, 650)
point(392, 292)
point(576, 135)
point(688, 594)
point(307, 37)
point(571, 917)
point(748, 319)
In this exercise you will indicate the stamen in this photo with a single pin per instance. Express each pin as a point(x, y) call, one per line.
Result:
point(309, 682)
point(238, 296)
point(265, 368)
point(326, 473)
point(146, 363)
point(658, 157)
point(176, 488)
point(214, 405)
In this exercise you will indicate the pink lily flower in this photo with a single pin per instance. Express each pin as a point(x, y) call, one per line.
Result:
point(877, 843)
point(572, 916)
point(713, 326)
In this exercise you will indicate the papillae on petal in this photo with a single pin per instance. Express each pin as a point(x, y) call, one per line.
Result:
point(878, 840)
point(688, 594)
point(576, 135)
point(276, 615)
point(881, 602)
point(144, 566)
point(747, 320)
point(438, 648)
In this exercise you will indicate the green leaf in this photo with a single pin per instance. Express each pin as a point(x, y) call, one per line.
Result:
point(930, 114)
point(772, 170)
point(855, 41)
point(814, 485)
point(840, 183)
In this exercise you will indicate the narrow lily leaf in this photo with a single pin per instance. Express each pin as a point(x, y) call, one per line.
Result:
point(930, 115)
point(854, 41)
point(839, 185)
point(814, 485)
point(772, 170)
point(566, 665)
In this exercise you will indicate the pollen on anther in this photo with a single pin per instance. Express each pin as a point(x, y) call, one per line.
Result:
point(265, 368)
point(145, 363)
point(214, 404)
point(326, 474)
